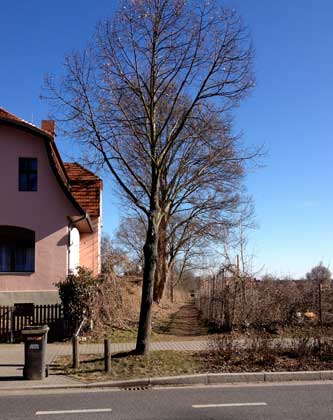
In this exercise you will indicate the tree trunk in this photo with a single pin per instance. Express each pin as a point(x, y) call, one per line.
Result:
point(171, 288)
point(161, 269)
point(150, 251)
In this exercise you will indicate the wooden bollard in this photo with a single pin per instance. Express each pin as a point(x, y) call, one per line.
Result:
point(107, 355)
point(76, 354)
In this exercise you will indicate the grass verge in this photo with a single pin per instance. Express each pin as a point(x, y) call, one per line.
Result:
point(225, 355)
point(129, 366)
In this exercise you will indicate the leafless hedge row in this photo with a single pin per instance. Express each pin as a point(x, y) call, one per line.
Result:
point(244, 302)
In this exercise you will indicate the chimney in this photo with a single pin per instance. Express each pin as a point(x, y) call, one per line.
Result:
point(49, 126)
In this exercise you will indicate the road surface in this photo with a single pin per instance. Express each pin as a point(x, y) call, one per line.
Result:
point(313, 401)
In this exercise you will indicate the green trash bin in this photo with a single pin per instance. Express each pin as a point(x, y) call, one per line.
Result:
point(35, 342)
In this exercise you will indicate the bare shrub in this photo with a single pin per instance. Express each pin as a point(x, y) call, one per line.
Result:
point(261, 351)
point(222, 347)
point(257, 350)
point(325, 348)
point(108, 302)
point(267, 305)
point(309, 348)
point(301, 348)
point(116, 304)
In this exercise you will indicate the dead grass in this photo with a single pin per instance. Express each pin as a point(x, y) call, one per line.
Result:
point(262, 353)
point(171, 321)
point(127, 365)
point(225, 355)
point(307, 331)
point(130, 335)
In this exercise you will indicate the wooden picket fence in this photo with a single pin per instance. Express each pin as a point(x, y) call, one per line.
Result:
point(14, 318)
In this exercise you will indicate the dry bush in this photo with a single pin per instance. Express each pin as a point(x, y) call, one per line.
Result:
point(272, 303)
point(280, 302)
point(116, 305)
point(308, 348)
point(301, 349)
point(222, 347)
point(265, 305)
point(226, 350)
point(325, 348)
point(259, 352)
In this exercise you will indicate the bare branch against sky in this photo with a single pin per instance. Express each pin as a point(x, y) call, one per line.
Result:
point(150, 99)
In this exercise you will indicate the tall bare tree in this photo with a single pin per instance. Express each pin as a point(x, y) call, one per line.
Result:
point(150, 96)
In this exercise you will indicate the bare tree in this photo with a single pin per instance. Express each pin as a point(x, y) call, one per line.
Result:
point(151, 96)
point(114, 259)
point(130, 236)
point(320, 276)
point(177, 251)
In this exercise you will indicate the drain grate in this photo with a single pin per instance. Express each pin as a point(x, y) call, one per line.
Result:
point(135, 388)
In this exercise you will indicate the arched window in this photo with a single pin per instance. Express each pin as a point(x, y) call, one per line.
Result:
point(17, 250)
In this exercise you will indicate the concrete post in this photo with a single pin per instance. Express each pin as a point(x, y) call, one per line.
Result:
point(107, 355)
point(76, 354)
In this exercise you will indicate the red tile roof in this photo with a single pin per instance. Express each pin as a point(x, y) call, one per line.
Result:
point(8, 115)
point(4, 114)
point(85, 187)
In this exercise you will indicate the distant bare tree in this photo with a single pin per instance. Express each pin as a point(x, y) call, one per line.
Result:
point(150, 98)
point(113, 258)
point(319, 274)
point(130, 236)
point(179, 254)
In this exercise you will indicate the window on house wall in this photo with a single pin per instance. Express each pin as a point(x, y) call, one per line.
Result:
point(27, 174)
point(17, 250)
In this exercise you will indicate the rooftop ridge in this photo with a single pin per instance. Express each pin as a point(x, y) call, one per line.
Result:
point(12, 117)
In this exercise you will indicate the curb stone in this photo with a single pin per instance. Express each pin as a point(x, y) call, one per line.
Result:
point(218, 378)
point(180, 380)
point(292, 376)
point(199, 379)
point(326, 375)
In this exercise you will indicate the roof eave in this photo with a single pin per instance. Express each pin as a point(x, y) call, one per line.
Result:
point(85, 220)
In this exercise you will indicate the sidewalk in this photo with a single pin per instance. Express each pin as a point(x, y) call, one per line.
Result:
point(12, 360)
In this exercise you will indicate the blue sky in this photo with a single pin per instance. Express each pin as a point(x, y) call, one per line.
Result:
point(290, 111)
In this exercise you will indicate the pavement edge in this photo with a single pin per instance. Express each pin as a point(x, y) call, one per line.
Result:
point(199, 379)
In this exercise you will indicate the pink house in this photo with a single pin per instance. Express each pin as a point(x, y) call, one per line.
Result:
point(50, 213)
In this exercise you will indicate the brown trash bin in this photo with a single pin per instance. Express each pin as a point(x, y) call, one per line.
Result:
point(35, 342)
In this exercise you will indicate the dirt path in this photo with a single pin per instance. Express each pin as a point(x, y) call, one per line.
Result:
point(184, 322)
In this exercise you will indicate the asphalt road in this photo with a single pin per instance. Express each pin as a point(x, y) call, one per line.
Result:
point(274, 402)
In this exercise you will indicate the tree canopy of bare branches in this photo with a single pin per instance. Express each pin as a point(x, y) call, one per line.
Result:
point(150, 98)
point(319, 274)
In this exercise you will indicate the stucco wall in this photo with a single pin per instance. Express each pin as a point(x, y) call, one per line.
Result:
point(90, 247)
point(45, 212)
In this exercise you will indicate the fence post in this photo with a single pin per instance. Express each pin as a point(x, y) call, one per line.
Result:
point(12, 325)
point(107, 355)
point(76, 355)
point(320, 304)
